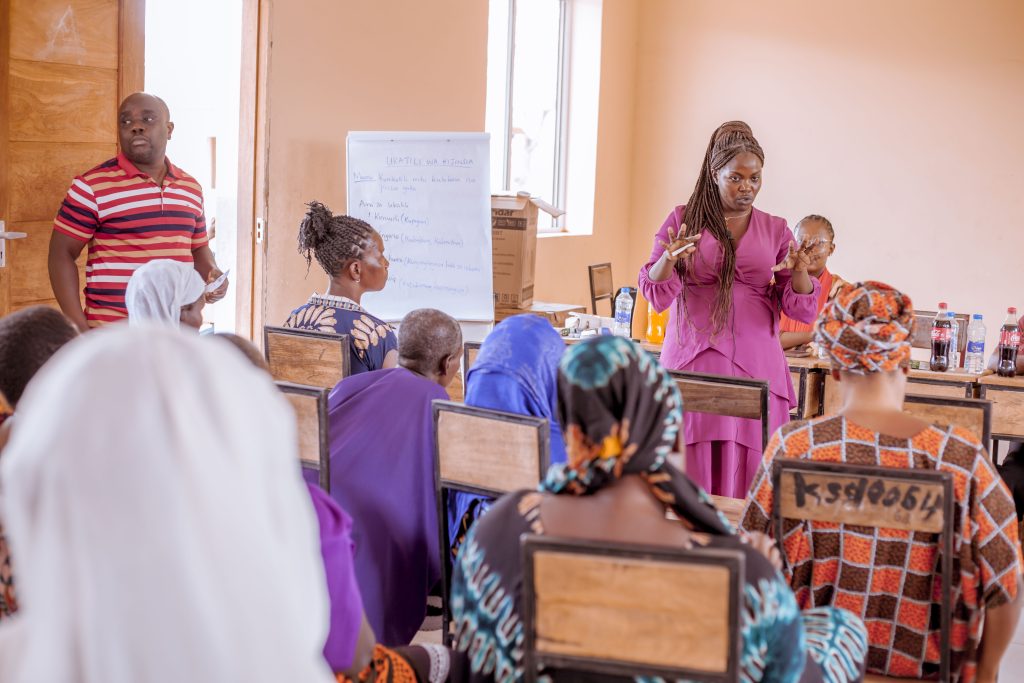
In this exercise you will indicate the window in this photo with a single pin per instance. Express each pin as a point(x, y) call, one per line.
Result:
point(532, 46)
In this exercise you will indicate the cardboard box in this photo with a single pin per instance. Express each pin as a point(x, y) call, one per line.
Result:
point(514, 246)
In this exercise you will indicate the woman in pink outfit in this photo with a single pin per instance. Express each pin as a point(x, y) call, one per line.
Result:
point(726, 270)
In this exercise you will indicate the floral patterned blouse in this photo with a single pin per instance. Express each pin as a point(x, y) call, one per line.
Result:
point(370, 338)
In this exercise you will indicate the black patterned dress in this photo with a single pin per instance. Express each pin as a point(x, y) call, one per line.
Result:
point(370, 337)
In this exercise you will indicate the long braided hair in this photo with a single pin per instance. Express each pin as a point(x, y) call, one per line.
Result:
point(333, 240)
point(704, 211)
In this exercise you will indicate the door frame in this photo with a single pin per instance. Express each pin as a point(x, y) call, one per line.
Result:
point(253, 162)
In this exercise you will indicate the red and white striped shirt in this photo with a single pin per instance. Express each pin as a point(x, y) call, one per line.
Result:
point(128, 220)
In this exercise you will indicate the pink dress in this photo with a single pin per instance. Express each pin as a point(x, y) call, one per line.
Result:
point(722, 453)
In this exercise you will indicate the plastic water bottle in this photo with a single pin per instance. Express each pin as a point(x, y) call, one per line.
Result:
point(623, 314)
point(974, 360)
point(954, 342)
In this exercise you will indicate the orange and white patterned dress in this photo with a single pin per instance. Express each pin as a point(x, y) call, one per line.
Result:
point(890, 578)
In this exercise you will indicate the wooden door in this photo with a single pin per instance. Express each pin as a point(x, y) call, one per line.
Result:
point(65, 65)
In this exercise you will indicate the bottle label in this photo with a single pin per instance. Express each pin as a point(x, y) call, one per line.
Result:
point(976, 347)
point(1009, 338)
point(622, 317)
point(941, 334)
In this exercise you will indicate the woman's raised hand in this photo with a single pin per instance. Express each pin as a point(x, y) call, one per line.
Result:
point(678, 246)
point(799, 257)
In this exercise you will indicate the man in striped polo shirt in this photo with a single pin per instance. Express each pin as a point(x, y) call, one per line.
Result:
point(132, 209)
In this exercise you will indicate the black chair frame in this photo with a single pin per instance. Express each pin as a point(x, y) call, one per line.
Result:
point(444, 487)
point(323, 470)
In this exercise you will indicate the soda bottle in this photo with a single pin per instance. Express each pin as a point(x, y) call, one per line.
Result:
point(941, 336)
point(623, 314)
point(1009, 341)
point(974, 360)
point(656, 323)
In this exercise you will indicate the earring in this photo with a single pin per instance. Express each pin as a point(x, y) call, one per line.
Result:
point(357, 279)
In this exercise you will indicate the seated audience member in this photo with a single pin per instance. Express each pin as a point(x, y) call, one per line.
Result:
point(892, 580)
point(622, 416)
point(167, 293)
point(351, 647)
point(793, 333)
point(515, 371)
point(352, 255)
point(28, 339)
point(178, 546)
point(382, 472)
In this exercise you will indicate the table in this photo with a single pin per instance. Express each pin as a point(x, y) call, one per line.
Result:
point(556, 314)
point(1007, 396)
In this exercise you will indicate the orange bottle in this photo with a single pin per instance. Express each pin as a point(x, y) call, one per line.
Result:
point(656, 324)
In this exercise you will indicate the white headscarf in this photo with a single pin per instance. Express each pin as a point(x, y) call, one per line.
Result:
point(158, 290)
point(162, 532)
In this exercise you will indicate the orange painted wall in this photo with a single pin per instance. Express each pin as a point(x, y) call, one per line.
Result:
point(898, 120)
point(341, 66)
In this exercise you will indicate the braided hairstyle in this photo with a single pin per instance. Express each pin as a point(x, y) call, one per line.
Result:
point(333, 240)
point(704, 209)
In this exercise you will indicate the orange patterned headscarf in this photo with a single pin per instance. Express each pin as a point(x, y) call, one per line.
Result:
point(866, 328)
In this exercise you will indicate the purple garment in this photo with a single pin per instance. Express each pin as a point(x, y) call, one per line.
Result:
point(337, 549)
point(748, 345)
point(382, 473)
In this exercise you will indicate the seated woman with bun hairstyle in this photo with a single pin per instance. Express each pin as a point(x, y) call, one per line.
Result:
point(352, 254)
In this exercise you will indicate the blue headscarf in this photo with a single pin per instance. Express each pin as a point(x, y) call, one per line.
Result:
point(516, 371)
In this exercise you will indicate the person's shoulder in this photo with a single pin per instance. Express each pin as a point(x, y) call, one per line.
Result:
point(513, 514)
point(103, 171)
point(183, 178)
point(952, 444)
point(775, 224)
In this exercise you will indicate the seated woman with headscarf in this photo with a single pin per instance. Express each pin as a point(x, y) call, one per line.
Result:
point(166, 293)
point(516, 371)
point(177, 545)
point(886, 576)
point(622, 415)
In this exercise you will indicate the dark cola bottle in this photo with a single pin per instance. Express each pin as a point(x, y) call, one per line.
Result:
point(1009, 342)
point(942, 335)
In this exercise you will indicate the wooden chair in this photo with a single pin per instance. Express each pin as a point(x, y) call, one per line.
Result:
point(920, 501)
point(487, 452)
point(629, 610)
point(310, 405)
point(470, 350)
point(973, 414)
point(921, 336)
point(317, 359)
point(724, 395)
point(602, 287)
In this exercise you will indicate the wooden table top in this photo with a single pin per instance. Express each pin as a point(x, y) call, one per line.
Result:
point(997, 381)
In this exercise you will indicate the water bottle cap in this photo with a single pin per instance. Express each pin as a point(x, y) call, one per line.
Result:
point(977, 316)
point(1012, 310)
point(943, 304)
point(624, 289)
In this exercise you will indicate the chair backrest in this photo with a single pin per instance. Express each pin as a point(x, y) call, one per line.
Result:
point(310, 406)
point(921, 336)
point(469, 354)
point(601, 285)
point(680, 609)
point(724, 395)
point(488, 452)
point(973, 414)
point(881, 497)
point(318, 359)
